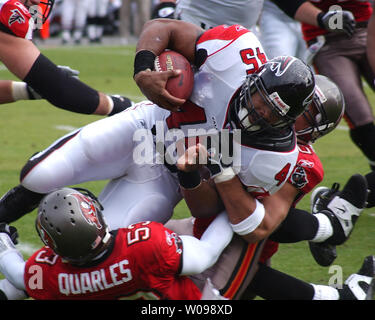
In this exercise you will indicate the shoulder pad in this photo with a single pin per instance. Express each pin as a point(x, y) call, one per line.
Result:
point(16, 19)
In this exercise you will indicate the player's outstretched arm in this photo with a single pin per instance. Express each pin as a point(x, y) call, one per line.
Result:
point(12, 264)
point(26, 62)
point(200, 255)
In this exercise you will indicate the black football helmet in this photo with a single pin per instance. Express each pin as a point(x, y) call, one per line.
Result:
point(285, 83)
point(71, 223)
point(326, 111)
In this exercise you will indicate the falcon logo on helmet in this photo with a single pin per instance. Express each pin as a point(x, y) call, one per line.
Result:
point(16, 17)
point(87, 209)
point(281, 66)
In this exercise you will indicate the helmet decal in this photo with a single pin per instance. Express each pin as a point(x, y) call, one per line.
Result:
point(280, 67)
point(87, 209)
point(308, 100)
point(319, 93)
point(282, 107)
point(44, 235)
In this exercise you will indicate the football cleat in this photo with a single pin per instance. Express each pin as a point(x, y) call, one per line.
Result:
point(342, 207)
point(323, 253)
point(360, 286)
point(17, 202)
point(321, 196)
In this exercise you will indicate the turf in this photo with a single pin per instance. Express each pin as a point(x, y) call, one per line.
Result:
point(29, 126)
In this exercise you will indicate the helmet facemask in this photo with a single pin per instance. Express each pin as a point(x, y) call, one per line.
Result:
point(249, 120)
point(47, 8)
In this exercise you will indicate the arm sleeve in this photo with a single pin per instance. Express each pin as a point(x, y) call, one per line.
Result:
point(60, 89)
point(199, 255)
point(290, 7)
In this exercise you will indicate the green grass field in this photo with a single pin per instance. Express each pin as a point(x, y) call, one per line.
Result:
point(29, 126)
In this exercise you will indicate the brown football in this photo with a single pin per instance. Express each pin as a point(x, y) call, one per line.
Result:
point(182, 85)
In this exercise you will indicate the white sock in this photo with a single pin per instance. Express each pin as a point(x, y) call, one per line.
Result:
point(325, 229)
point(325, 292)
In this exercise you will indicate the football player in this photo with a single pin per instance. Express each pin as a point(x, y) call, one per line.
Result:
point(82, 259)
point(73, 20)
point(97, 12)
point(347, 70)
point(25, 61)
point(325, 228)
point(106, 149)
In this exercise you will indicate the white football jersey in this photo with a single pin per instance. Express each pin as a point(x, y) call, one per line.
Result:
point(232, 53)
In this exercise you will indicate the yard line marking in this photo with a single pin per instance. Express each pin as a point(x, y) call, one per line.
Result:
point(343, 128)
point(65, 128)
point(27, 248)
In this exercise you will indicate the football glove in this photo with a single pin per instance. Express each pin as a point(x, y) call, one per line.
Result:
point(69, 71)
point(337, 21)
point(10, 231)
point(164, 10)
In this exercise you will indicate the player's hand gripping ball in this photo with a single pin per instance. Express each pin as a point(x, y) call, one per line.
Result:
point(182, 85)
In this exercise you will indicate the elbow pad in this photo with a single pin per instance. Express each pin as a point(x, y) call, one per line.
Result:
point(61, 89)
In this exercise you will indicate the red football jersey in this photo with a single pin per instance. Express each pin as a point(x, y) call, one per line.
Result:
point(144, 264)
point(15, 19)
point(361, 10)
point(306, 175)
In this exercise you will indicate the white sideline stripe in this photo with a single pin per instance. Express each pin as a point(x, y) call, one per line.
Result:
point(27, 248)
point(65, 128)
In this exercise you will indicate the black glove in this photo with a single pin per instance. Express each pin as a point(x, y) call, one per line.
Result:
point(10, 231)
point(164, 10)
point(337, 21)
point(120, 103)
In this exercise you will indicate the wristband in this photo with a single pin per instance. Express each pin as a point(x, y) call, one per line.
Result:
point(225, 175)
point(143, 60)
point(320, 21)
point(251, 222)
point(189, 180)
point(19, 91)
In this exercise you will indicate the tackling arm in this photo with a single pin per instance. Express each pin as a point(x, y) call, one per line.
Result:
point(254, 220)
point(199, 255)
point(12, 264)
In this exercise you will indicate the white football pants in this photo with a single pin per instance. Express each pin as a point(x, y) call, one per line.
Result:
point(104, 150)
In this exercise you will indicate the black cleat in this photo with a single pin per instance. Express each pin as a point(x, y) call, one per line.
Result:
point(341, 207)
point(323, 253)
point(360, 286)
